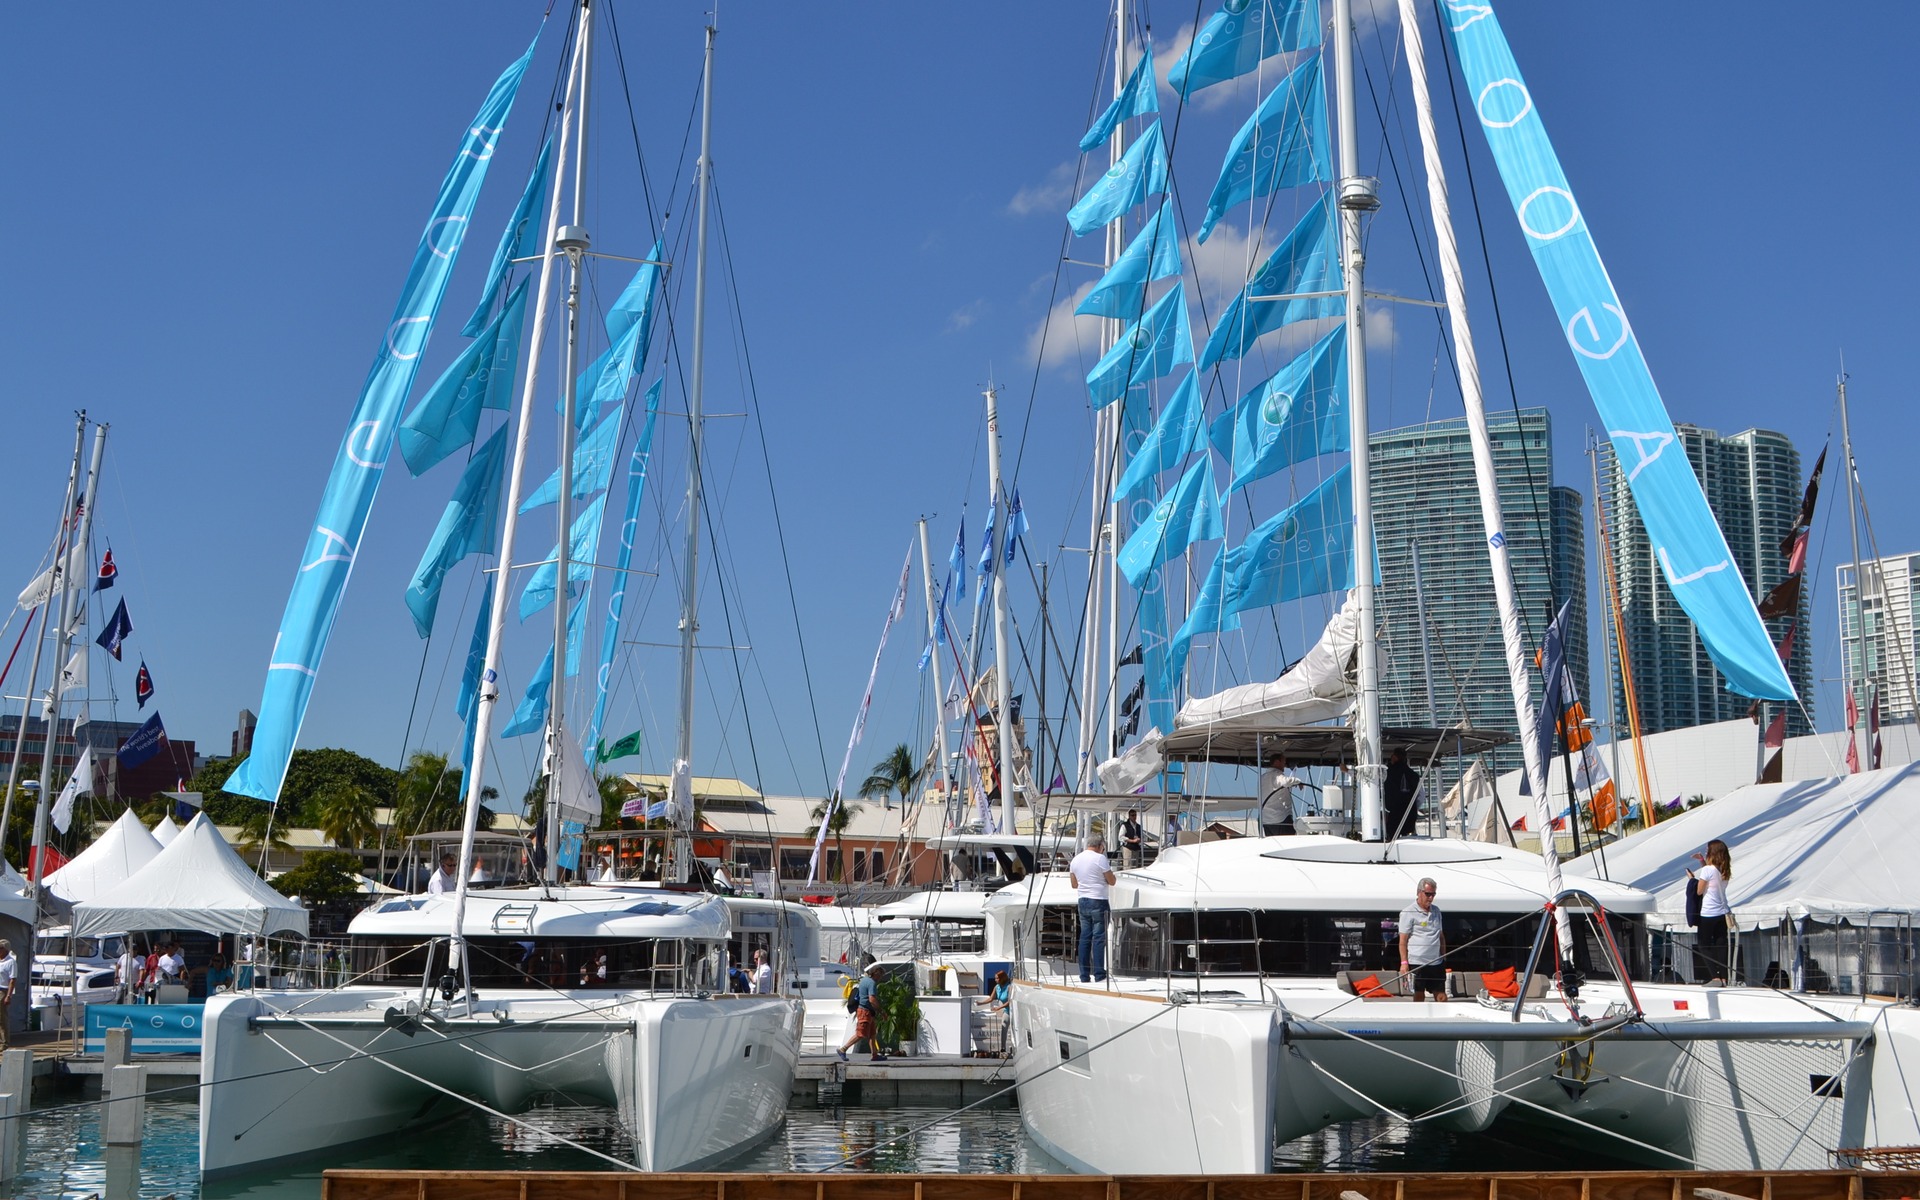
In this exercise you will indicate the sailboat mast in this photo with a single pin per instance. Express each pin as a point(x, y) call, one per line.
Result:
point(489, 688)
point(62, 550)
point(1358, 197)
point(934, 618)
point(1862, 689)
point(689, 612)
point(1003, 684)
point(1117, 414)
point(574, 240)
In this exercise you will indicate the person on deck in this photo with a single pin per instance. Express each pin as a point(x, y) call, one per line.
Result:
point(1131, 840)
point(1710, 947)
point(1403, 787)
point(762, 974)
point(9, 977)
point(1423, 944)
point(126, 973)
point(1092, 875)
point(446, 879)
point(1276, 797)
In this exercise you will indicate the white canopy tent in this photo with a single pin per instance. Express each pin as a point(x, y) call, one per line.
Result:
point(1833, 848)
point(115, 857)
point(166, 831)
point(196, 882)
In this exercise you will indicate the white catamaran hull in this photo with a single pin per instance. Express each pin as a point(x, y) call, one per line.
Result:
point(1714, 1079)
point(696, 1081)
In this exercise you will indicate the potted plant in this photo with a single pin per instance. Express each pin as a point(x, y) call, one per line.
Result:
point(899, 1012)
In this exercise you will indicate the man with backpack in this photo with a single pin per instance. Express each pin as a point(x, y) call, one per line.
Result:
point(865, 1003)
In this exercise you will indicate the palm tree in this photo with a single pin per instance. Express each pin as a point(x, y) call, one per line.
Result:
point(836, 825)
point(897, 772)
point(345, 813)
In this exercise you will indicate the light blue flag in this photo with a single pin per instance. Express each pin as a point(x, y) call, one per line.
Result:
point(635, 305)
point(476, 662)
point(1155, 344)
point(957, 561)
point(326, 561)
point(1691, 549)
point(1016, 524)
point(629, 326)
point(1235, 40)
point(986, 550)
point(1188, 514)
point(519, 239)
point(580, 545)
point(1174, 435)
point(637, 464)
point(530, 715)
point(1282, 145)
point(1299, 413)
point(592, 464)
point(1206, 616)
point(470, 525)
point(1302, 550)
point(1153, 254)
point(1138, 98)
point(482, 377)
point(1142, 172)
point(1156, 661)
point(1307, 262)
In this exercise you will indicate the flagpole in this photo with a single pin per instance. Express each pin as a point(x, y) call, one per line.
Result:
point(1003, 686)
point(62, 639)
point(935, 618)
point(1859, 584)
point(62, 550)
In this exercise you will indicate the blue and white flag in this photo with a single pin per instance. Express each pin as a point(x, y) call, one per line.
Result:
point(580, 546)
point(1153, 254)
point(1243, 32)
point(957, 561)
point(326, 562)
point(635, 304)
point(637, 464)
point(1686, 539)
point(1206, 615)
point(470, 525)
point(1153, 346)
point(1188, 514)
point(1302, 550)
point(1142, 172)
point(482, 377)
point(1299, 413)
point(986, 547)
point(1136, 99)
point(519, 239)
point(1282, 145)
point(530, 714)
point(144, 743)
point(464, 706)
point(1174, 435)
point(119, 628)
point(1016, 524)
point(592, 464)
point(1306, 263)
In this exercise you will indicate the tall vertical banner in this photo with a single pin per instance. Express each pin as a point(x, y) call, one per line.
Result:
point(326, 563)
point(616, 603)
point(1693, 553)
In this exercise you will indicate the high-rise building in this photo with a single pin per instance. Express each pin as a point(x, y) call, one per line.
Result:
point(1887, 610)
point(1753, 485)
point(1424, 495)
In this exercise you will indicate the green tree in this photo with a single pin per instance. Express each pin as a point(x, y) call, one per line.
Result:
point(897, 772)
point(345, 813)
point(309, 774)
point(263, 825)
point(432, 797)
point(843, 814)
point(322, 877)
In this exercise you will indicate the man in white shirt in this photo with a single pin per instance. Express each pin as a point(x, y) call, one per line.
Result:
point(126, 973)
point(1276, 797)
point(1092, 876)
point(762, 974)
point(9, 975)
point(447, 878)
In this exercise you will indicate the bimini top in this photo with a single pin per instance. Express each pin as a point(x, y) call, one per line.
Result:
point(575, 912)
point(936, 906)
point(1319, 872)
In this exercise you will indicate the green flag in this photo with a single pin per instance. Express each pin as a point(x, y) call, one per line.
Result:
point(626, 747)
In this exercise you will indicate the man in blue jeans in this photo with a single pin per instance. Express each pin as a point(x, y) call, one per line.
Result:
point(1092, 876)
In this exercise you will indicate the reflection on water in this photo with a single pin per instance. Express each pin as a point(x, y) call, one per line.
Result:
point(64, 1154)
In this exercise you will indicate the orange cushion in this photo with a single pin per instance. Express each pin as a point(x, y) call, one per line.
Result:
point(1370, 986)
point(1501, 984)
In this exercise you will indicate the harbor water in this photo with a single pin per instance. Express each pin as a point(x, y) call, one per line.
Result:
point(64, 1156)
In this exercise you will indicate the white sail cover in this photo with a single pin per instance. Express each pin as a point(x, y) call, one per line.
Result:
point(165, 831)
point(197, 882)
point(115, 857)
point(570, 785)
point(1320, 687)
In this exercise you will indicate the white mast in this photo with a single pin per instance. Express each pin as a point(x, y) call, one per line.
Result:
point(1358, 196)
point(62, 639)
point(689, 612)
point(1512, 636)
point(934, 617)
point(62, 551)
point(489, 689)
point(1003, 684)
point(1860, 692)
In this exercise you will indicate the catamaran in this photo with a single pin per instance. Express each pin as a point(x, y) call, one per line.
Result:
point(1256, 990)
point(493, 996)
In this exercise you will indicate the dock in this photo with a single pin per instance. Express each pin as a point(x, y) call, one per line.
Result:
point(937, 1079)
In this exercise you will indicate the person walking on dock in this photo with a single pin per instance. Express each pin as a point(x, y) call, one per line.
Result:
point(9, 975)
point(866, 1016)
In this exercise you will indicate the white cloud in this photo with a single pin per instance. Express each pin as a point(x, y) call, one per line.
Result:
point(1052, 195)
point(965, 316)
point(1064, 339)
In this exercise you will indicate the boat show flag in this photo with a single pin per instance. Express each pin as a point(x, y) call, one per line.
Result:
point(1299, 413)
point(482, 377)
point(1282, 145)
point(580, 545)
point(1154, 253)
point(626, 747)
point(637, 464)
point(326, 561)
point(108, 573)
point(1686, 540)
point(464, 706)
point(1138, 98)
point(119, 627)
point(1174, 435)
point(79, 784)
point(1306, 264)
point(145, 742)
point(518, 240)
point(1236, 39)
point(592, 464)
point(468, 525)
point(1140, 173)
point(957, 561)
point(1189, 513)
point(1157, 343)
point(143, 686)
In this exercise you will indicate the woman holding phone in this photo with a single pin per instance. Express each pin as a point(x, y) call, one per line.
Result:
point(1710, 883)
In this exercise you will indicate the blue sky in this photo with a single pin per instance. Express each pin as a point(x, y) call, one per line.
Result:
point(213, 210)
